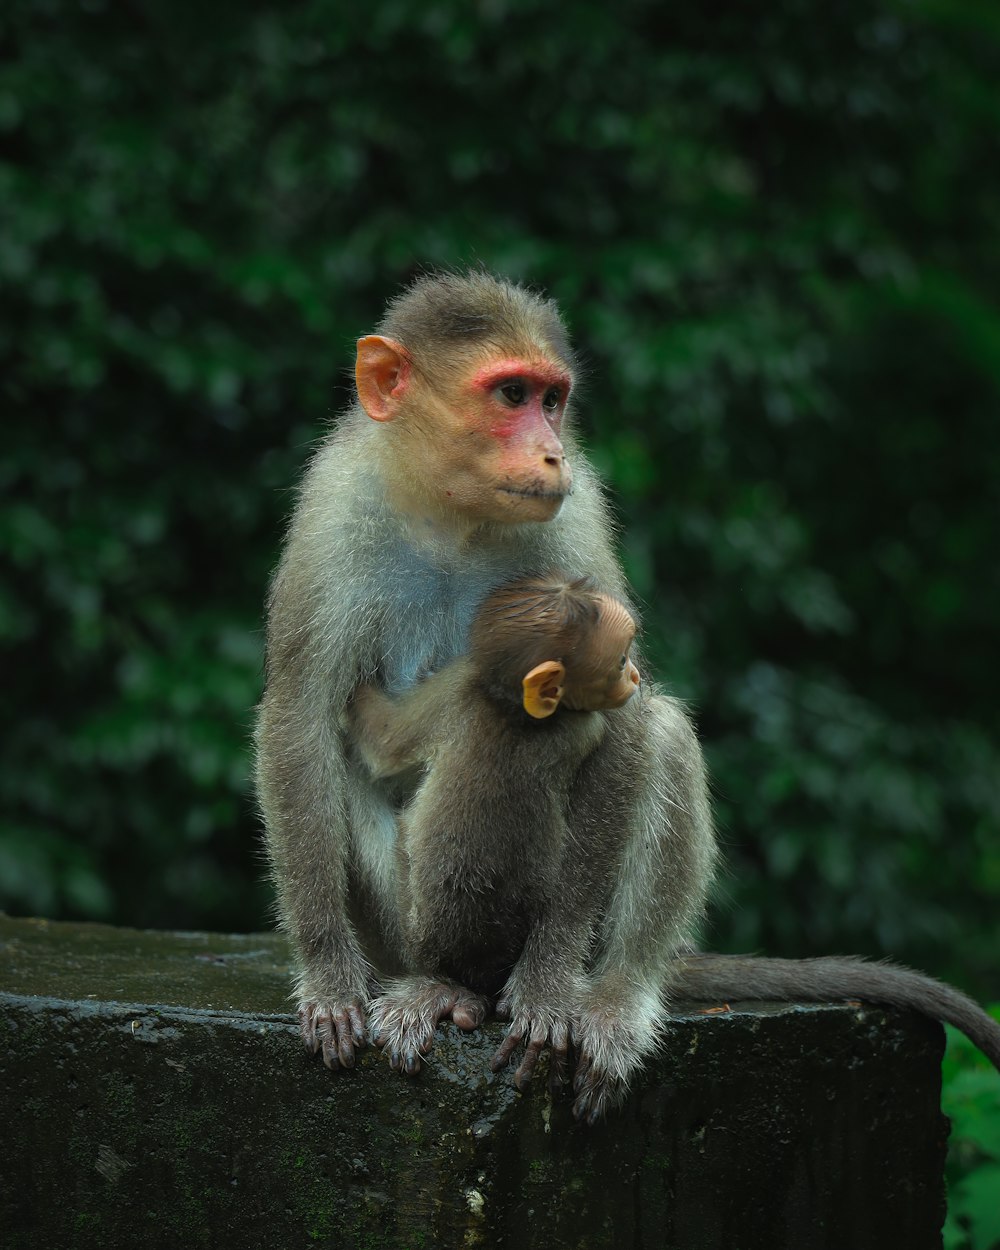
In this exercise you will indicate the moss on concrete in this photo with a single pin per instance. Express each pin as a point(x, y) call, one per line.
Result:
point(154, 1092)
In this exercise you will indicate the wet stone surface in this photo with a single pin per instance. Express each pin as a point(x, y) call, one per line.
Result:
point(153, 1092)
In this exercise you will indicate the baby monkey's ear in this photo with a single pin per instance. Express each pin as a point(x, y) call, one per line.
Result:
point(543, 688)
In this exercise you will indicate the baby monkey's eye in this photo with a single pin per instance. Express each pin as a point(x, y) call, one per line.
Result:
point(623, 661)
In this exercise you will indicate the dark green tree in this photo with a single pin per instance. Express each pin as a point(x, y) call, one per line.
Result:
point(774, 233)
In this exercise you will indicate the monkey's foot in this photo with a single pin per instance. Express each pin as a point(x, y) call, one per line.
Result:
point(333, 1030)
point(610, 1051)
point(534, 1029)
point(404, 1017)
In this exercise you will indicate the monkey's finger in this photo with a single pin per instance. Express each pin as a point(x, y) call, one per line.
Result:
point(558, 1056)
point(507, 1047)
point(345, 1050)
point(357, 1017)
point(383, 1034)
point(522, 1077)
point(588, 1108)
point(557, 1070)
point(586, 1097)
point(342, 1033)
point(307, 1027)
point(559, 1037)
point(600, 1100)
point(326, 1039)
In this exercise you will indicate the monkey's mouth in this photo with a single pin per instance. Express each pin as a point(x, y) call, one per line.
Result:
point(534, 493)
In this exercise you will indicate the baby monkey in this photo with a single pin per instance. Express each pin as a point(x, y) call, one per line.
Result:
point(484, 857)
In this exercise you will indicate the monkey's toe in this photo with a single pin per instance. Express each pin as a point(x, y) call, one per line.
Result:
point(469, 1012)
point(536, 1031)
point(594, 1097)
point(598, 1089)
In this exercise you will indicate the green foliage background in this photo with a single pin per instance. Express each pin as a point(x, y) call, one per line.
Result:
point(776, 240)
point(773, 230)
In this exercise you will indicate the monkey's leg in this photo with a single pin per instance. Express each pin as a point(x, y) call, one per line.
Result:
point(404, 1017)
point(540, 998)
point(656, 898)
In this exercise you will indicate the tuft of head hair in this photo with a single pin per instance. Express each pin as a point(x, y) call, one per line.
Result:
point(526, 622)
point(552, 604)
point(442, 311)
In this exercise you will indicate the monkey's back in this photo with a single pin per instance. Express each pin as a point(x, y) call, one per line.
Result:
point(485, 838)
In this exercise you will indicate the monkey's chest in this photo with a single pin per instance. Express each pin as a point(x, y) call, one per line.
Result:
point(427, 608)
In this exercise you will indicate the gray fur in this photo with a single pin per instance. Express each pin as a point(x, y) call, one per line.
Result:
point(734, 977)
point(360, 597)
point(363, 595)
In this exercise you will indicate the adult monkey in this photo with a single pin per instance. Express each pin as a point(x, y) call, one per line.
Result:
point(450, 476)
point(455, 472)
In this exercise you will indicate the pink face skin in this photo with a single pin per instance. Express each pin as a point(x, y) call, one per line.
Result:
point(521, 403)
point(539, 394)
point(484, 449)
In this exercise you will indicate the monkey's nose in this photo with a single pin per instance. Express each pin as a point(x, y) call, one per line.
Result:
point(556, 468)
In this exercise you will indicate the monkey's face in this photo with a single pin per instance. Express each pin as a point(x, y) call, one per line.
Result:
point(512, 460)
point(478, 438)
point(604, 682)
point(601, 674)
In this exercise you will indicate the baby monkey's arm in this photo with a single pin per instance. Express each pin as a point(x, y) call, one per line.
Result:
point(393, 733)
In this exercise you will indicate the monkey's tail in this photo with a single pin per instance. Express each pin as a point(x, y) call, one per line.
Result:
point(709, 977)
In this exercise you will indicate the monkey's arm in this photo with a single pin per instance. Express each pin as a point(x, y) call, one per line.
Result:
point(320, 642)
point(303, 787)
point(395, 732)
point(542, 996)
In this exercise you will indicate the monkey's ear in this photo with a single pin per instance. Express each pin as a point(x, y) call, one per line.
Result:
point(543, 688)
point(381, 371)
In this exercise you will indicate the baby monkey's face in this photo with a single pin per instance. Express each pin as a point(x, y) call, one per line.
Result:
point(600, 674)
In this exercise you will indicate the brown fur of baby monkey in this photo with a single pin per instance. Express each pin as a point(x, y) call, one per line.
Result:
point(457, 471)
point(500, 734)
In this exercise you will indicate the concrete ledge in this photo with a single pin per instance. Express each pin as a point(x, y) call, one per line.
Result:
point(153, 1093)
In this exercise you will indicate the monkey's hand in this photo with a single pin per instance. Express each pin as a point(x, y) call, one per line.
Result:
point(369, 720)
point(534, 1028)
point(612, 1034)
point(404, 1018)
point(367, 711)
point(334, 1030)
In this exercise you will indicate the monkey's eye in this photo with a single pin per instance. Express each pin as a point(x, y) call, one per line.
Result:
point(514, 392)
point(550, 400)
point(623, 661)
